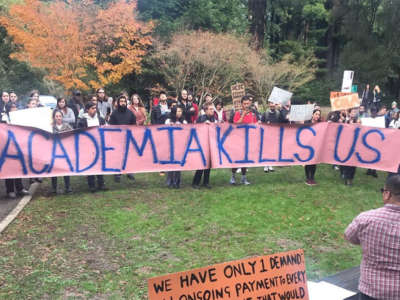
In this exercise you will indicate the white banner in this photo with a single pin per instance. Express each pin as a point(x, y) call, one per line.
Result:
point(39, 117)
point(279, 96)
point(301, 112)
point(378, 122)
point(347, 81)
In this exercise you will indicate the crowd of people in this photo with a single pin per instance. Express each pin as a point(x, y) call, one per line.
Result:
point(376, 231)
point(98, 109)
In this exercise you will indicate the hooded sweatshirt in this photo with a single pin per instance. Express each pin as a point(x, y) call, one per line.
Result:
point(122, 116)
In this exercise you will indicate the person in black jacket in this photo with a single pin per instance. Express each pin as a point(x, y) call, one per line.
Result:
point(160, 112)
point(89, 119)
point(75, 103)
point(367, 97)
point(208, 118)
point(271, 116)
point(188, 108)
point(122, 116)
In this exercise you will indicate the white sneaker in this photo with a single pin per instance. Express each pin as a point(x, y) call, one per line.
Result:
point(233, 179)
point(244, 180)
point(271, 169)
point(266, 169)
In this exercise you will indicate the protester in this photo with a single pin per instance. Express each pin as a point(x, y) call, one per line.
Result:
point(311, 169)
point(207, 99)
point(92, 99)
point(188, 109)
point(243, 116)
point(103, 106)
point(348, 172)
point(59, 125)
point(68, 115)
point(176, 117)
point(34, 94)
point(138, 109)
point(5, 98)
point(208, 118)
point(32, 103)
point(195, 106)
point(362, 113)
point(367, 97)
point(76, 103)
point(271, 116)
point(89, 119)
point(122, 116)
point(14, 186)
point(159, 113)
point(219, 113)
point(378, 233)
point(395, 123)
point(376, 102)
point(394, 107)
point(14, 99)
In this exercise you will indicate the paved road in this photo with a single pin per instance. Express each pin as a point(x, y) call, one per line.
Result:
point(7, 205)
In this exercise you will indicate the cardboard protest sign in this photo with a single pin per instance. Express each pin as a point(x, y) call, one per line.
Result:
point(378, 122)
point(301, 112)
point(280, 96)
point(347, 81)
point(277, 276)
point(39, 117)
point(340, 101)
point(238, 91)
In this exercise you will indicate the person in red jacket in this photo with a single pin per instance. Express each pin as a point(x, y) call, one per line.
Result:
point(243, 116)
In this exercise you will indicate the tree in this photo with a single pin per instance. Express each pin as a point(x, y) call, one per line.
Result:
point(78, 43)
point(257, 17)
point(209, 62)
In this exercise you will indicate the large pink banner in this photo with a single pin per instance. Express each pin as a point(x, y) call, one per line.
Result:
point(27, 152)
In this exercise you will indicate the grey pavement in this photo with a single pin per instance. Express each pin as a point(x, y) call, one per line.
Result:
point(7, 205)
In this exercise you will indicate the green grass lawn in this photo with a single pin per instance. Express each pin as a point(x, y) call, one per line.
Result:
point(106, 245)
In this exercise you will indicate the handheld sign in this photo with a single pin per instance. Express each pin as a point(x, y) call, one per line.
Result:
point(280, 96)
point(38, 117)
point(237, 91)
point(277, 276)
point(347, 81)
point(378, 122)
point(301, 112)
point(341, 101)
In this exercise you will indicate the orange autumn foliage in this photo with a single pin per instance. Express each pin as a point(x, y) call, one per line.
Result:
point(78, 43)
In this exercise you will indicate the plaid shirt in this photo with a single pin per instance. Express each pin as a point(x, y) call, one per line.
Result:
point(378, 233)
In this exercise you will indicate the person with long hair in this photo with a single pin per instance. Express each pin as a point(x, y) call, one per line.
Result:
point(138, 109)
point(376, 102)
point(60, 126)
point(68, 113)
point(176, 117)
point(348, 172)
point(311, 169)
point(219, 112)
